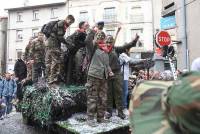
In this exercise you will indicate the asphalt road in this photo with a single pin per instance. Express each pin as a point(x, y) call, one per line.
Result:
point(14, 125)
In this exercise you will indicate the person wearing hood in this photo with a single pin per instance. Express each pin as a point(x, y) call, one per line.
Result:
point(9, 92)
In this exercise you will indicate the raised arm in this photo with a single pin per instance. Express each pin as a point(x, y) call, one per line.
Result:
point(121, 49)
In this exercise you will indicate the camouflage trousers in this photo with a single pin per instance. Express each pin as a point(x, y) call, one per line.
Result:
point(96, 98)
point(115, 93)
point(38, 69)
point(29, 71)
point(53, 64)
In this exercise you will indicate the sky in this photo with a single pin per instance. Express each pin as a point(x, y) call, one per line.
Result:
point(17, 3)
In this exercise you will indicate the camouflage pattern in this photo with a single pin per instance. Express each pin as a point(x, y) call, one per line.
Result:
point(163, 108)
point(53, 65)
point(145, 109)
point(53, 52)
point(96, 98)
point(27, 57)
point(182, 105)
point(37, 52)
point(115, 93)
point(27, 52)
point(29, 71)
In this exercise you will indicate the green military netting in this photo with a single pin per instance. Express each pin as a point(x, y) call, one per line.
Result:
point(45, 106)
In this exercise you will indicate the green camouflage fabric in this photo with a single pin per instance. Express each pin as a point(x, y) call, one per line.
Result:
point(183, 104)
point(145, 109)
point(114, 93)
point(37, 51)
point(163, 108)
point(53, 65)
point(96, 98)
point(27, 52)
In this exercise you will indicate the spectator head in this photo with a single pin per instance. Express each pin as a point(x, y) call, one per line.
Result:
point(70, 19)
point(23, 56)
point(8, 76)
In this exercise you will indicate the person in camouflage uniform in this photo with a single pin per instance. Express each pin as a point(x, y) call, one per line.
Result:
point(27, 58)
point(98, 73)
point(166, 107)
point(115, 83)
point(37, 52)
point(53, 50)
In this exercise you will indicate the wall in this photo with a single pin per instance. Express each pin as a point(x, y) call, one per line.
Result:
point(3, 35)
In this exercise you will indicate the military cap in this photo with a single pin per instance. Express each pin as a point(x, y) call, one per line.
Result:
point(100, 23)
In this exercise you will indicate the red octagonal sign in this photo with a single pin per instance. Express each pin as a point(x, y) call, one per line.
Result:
point(163, 38)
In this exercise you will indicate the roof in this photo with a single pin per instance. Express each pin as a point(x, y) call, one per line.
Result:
point(36, 6)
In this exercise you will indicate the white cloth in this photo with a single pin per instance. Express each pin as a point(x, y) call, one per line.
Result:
point(196, 65)
point(124, 61)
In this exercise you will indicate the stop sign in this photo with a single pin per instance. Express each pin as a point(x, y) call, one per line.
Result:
point(163, 38)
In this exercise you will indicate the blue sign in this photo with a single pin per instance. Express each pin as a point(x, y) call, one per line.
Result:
point(168, 22)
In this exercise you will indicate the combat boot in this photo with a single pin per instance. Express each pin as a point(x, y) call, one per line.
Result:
point(108, 115)
point(121, 114)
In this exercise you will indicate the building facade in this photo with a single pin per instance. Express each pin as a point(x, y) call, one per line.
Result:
point(187, 29)
point(3, 43)
point(134, 16)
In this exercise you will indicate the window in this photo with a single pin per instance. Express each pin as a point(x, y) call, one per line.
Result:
point(35, 14)
point(138, 31)
point(83, 16)
point(110, 32)
point(19, 16)
point(35, 32)
point(136, 14)
point(110, 14)
point(54, 13)
point(19, 35)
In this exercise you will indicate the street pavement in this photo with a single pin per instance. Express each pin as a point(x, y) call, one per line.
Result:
point(13, 124)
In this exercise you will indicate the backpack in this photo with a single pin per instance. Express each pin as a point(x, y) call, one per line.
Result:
point(47, 28)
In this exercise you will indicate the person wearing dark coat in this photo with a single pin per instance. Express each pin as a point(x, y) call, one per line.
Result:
point(20, 69)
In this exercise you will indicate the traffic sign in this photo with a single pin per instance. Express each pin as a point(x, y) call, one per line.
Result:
point(163, 38)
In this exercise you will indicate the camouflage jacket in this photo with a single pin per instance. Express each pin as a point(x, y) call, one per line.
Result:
point(27, 52)
point(59, 30)
point(37, 51)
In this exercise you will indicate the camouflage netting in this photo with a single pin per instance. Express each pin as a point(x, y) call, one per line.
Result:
point(44, 106)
